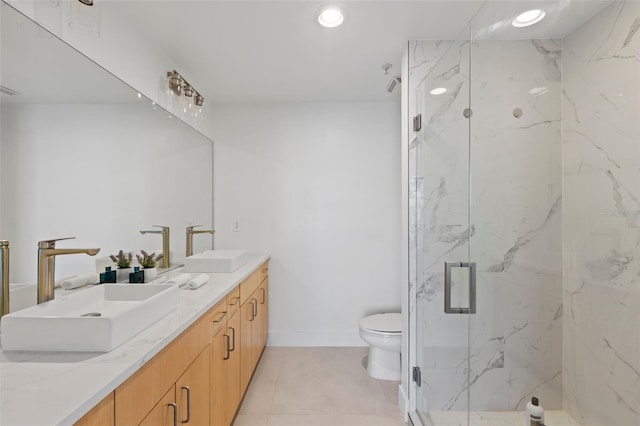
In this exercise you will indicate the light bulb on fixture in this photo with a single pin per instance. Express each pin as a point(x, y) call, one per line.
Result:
point(175, 82)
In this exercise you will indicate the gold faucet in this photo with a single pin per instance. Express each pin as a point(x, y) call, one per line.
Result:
point(4, 276)
point(190, 233)
point(47, 253)
point(165, 242)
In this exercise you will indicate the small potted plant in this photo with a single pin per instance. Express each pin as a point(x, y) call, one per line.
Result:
point(149, 263)
point(123, 262)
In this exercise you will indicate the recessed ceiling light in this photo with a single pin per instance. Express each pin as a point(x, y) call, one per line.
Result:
point(529, 17)
point(330, 17)
point(438, 91)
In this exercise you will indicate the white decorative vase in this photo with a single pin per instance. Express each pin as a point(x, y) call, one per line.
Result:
point(122, 274)
point(150, 274)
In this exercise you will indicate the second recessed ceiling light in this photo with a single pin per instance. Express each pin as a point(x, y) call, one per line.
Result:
point(529, 17)
point(330, 17)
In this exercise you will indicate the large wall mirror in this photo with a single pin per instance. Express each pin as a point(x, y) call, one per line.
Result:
point(83, 154)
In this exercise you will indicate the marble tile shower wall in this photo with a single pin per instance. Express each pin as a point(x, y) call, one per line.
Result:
point(601, 226)
point(560, 182)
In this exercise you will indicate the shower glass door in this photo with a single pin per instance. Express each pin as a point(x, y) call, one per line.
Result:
point(440, 190)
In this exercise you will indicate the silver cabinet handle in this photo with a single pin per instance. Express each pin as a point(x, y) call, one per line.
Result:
point(221, 317)
point(448, 309)
point(188, 403)
point(175, 412)
point(264, 295)
point(228, 354)
point(233, 339)
point(254, 308)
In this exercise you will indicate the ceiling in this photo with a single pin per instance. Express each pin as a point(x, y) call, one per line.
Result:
point(269, 51)
point(273, 51)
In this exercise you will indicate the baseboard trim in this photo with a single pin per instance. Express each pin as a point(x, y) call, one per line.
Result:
point(315, 338)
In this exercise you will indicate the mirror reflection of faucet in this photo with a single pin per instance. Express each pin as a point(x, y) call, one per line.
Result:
point(47, 253)
point(165, 242)
point(190, 234)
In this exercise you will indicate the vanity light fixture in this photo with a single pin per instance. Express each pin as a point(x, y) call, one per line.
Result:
point(438, 91)
point(527, 18)
point(181, 87)
point(330, 17)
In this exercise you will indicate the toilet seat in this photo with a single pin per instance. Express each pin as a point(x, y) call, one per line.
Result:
point(382, 323)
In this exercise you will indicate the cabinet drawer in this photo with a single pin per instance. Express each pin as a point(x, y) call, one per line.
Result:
point(248, 286)
point(218, 317)
point(233, 301)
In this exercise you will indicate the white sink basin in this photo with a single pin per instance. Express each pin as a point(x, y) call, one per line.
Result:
point(22, 296)
point(215, 261)
point(72, 323)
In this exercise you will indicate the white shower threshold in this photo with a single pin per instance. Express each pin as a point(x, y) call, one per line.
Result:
point(496, 418)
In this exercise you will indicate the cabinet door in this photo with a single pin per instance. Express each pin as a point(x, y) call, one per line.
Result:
point(263, 312)
point(247, 318)
point(256, 328)
point(192, 391)
point(218, 391)
point(234, 394)
point(165, 412)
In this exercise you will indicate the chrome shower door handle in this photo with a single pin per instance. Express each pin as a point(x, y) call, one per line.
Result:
point(448, 309)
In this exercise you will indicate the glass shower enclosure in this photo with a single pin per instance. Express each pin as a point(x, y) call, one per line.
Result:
point(524, 186)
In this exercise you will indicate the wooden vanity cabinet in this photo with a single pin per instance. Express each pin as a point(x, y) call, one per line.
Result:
point(200, 378)
point(233, 390)
point(218, 380)
point(254, 323)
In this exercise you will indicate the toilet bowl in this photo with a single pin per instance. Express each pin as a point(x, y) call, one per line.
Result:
point(383, 333)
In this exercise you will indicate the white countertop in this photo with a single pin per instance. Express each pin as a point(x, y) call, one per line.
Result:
point(58, 388)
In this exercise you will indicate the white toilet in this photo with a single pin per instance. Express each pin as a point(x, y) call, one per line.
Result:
point(383, 333)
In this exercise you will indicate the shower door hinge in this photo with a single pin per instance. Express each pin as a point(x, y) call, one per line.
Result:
point(417, 376)
point(417, 123)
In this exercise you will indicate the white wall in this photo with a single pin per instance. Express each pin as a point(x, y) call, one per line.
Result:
point(316, 186)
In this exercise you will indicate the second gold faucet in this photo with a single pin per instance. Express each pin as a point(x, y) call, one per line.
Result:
point(165, 242)
point(190, 233)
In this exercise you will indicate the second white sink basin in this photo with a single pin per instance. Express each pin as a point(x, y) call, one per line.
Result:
point(94, 320)
point(215, 261)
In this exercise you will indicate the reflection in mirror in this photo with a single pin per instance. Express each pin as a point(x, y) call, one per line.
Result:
point(83, 154)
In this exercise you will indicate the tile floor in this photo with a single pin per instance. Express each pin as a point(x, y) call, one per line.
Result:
point(318, 387)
